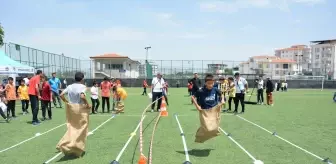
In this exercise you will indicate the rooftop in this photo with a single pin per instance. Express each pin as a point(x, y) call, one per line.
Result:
point(324, 41)
point(264, 57)
point(283, 61)
point(293, 48)
point(108, 56)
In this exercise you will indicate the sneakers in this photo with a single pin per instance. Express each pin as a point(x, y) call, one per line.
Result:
point(36, 123)
point(8, 120)
point(152, 110)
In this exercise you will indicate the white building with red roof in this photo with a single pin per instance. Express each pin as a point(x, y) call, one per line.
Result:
point(271, 66)
point(114, 66)
point(299, 53)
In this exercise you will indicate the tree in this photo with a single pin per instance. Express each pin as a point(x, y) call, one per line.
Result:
point(2, 34)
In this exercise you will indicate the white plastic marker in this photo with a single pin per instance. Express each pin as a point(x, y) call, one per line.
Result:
point(36, 135)
point(274, 133)
point(183, 139)
point(89, 133)
point(129, 139)
point(255, 161)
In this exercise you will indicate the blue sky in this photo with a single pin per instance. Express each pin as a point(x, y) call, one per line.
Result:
point(175, 29)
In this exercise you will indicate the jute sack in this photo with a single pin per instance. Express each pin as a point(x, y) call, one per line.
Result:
point(210, 120)
point(74, 139)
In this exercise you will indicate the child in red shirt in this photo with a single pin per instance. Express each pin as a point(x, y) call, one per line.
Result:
point(46, 98)
point(144, 85)
point(190, 86)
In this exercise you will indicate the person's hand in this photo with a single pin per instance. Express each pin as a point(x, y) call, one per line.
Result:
point(39, 97)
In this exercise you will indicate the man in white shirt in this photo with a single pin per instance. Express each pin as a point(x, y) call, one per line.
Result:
point(241, 88)
point(260, 96)
point(157, 88)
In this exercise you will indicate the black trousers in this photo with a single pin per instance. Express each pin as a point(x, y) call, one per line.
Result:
point(95, 104)
point(144, 91)
point(56, 95)
point(260, 96)
point(157, 95)
point(11, 108)
point(107, 101)
point(230, 102)
point(34, 104)
point(240, 97)
point(46, 105)
point(2, 114)
point(25, 105)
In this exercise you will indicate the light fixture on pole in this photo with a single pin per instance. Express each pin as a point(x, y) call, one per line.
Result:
point(147, 48)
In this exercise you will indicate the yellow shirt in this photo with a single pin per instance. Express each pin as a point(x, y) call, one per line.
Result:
point(23, 92)
point(121, 93)
point(232, 92)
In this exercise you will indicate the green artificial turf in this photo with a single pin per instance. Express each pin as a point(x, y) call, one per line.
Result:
point(303, 117)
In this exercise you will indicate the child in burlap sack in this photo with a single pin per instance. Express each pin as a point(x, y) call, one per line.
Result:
point(208, 101)
point(77, 117)
point(120, 95)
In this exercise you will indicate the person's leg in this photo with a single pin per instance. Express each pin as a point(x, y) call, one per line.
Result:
point(97, 105)
point(108, 104)
point(242, 102)
point(271, 98)
point(154, 97)
point(54, 98)
point(49, 110)
point(32, 106)
point(259, 96)
point(145, 90)
point(43, 106)
point(59, 100)
point(3, 114)
point(236, 102)
point(262, 96)
point(13, 108)
point(23, 104)
point(230, 101)
point(103, 102)
point(159, 96)
point(93, 101)
point(27, 105)
point(166, 98)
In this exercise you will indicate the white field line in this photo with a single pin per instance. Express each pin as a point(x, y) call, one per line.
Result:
point(241, 147)
point(129, 139)
point(36, 135)
point(183, 139)
point(274, 133)
point(90, 133)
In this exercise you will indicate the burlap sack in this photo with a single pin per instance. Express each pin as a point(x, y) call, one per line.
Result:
point(120, 107)
point(210, 119)
point(74, 139)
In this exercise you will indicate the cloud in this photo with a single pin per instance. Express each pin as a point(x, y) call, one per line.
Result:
point(236, 5)
point(57, 36)
point(167, 19)
point(249, 28)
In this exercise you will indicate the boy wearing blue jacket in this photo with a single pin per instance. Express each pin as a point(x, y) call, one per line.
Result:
point(208, 96)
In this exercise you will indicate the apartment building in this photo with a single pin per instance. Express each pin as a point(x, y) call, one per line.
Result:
point(323, 58)
point(298, 53)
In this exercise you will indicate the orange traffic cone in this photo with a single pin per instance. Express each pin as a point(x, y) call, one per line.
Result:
point(163, 108)
point(142, 160)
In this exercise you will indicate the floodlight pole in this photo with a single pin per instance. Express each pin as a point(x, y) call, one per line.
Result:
point(147, 48)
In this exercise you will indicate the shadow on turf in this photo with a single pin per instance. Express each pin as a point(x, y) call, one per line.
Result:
point(69, 157)
point(198, 152)
point(136, 146)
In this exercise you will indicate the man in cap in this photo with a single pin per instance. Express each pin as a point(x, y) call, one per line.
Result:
point(157, 88)
point(241, 88)
point(196, 84)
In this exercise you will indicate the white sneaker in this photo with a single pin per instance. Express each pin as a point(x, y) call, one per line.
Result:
point(152, 110)
point(271, 104)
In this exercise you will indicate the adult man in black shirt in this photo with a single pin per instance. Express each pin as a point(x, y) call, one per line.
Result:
point(196, 82)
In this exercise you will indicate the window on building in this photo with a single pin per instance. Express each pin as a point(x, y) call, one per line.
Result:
point(317, 56)
point(114, 66)
point(285, 66)
point(289, 66)
point(277, 66)
point(277, 72)
point(317, 49)
point(260, 66)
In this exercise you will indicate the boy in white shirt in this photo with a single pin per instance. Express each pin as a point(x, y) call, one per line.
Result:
point(95, 97)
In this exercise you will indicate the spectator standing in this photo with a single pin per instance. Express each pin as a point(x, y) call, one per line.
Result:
point(10, 97)
point(241, 89)
point(34, 96)
point(157, 88)
point(269, 90)
point(105, 93)
point(56, 85)
point(196, 84)
point(260, 95)
point(24, 97)
point(46, 98)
